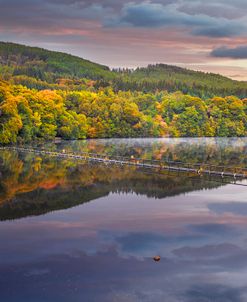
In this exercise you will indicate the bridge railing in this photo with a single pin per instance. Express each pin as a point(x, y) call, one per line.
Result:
point(199, 168)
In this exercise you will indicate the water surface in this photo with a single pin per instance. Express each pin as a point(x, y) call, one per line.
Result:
point(74, 231)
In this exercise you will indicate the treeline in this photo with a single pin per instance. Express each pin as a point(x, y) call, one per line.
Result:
point(29, 114)
point(172, 78)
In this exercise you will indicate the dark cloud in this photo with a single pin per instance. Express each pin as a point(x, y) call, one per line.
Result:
point(156, 15)
point(239, 52)
point(148, 14)
point(217, 31)
point(46, 14)
point(114, 14)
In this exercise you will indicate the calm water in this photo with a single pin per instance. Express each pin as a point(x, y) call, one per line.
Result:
point(80, 232)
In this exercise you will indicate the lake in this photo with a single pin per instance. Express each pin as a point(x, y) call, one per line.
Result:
point(78, 231)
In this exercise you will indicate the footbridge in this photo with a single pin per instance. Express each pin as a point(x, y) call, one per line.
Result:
point(151, 164)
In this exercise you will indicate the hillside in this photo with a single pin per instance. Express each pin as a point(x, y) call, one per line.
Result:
point(41, 69)
point(65, 96)
point(173, 78)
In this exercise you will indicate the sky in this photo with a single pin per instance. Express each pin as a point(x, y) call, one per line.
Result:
point(201, 35)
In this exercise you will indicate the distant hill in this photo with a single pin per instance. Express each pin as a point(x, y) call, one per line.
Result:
point(173, 78)
point(41, 69)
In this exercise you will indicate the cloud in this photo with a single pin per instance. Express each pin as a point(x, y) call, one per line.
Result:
point(47, 14)
point(156, 15)
point(105, 3)
point(214, 9)
point(177, 15)
point(194, 17)
point(148, 14)
point(217, 31)
point(239, 52)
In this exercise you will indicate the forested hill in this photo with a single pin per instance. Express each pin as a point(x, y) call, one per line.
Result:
point(33, 65)
point(42, 69)
point(173, 78)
